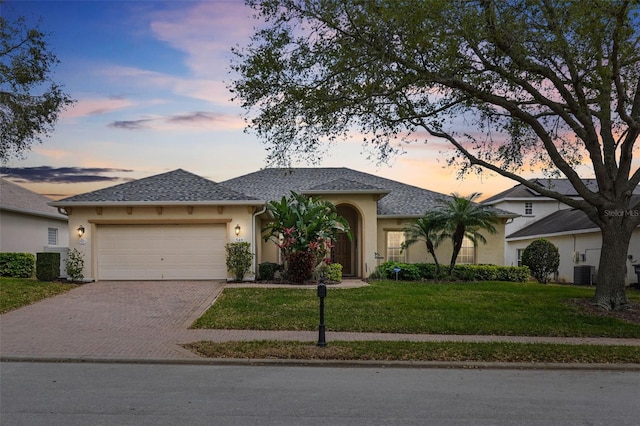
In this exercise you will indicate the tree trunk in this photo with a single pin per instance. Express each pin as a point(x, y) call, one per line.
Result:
point(610, 285)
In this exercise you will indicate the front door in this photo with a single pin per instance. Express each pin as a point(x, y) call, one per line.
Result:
point(341, 253)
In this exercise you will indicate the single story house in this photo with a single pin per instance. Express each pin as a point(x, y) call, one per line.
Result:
point(578, 239)
point(28, 224)
point(174, 226)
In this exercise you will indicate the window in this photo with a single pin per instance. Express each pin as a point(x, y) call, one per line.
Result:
point(520, 251)
point(394, 246)
point(52, 237)
point(467, 252)
point(528, 208)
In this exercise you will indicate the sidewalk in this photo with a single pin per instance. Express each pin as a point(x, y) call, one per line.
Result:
point(149, 321)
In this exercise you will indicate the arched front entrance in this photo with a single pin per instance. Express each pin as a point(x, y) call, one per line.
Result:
point(345, 251)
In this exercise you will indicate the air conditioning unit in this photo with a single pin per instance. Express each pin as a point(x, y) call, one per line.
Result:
point(576, 257)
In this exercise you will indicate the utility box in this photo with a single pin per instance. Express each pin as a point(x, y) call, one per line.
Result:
point(582, 274)
point(636, 267)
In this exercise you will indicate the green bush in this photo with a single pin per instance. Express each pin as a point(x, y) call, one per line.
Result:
point(331, 272)
point(427, 271)
point(74, 265)
point(408, 271)
point(239, 259)
point(267, 270)
point(542, 258)
point(17, 265)
point(518, 274)
point(47, 266)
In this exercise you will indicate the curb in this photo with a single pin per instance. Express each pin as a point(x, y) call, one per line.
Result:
point(467, 365)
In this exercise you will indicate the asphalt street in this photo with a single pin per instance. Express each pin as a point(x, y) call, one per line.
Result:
point(154, 394)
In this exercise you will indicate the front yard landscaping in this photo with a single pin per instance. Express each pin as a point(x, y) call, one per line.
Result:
point(486, 308)
point(18, 292)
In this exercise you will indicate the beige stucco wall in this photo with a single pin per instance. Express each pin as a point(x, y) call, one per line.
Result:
point(29, 234)
point(91, 217)
point(490, 253)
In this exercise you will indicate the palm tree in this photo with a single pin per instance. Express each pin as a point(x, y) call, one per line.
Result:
point(463, 217)
point(428, 229)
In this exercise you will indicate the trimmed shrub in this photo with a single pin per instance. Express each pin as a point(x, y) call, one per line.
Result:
point(331, 272)
point(300, 266)
point(17, 265)
point(542, 258)
point(267, 270)
point(75, 265)
point(427, 271)
point(47, 266)
point(408, 271)
point(239, 258)
point(519, 274)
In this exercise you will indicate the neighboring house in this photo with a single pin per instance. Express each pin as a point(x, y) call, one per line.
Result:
point(28, 224)
point(578, 239)
point(175, 225)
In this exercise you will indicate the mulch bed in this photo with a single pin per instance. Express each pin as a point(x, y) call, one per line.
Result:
point(631, 315)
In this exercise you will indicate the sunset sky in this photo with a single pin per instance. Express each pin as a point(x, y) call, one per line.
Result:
point(149, 78)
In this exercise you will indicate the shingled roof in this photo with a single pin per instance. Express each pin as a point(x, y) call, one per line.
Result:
point(176, 187)
point(398, 199)
point(18, 199)
point(563, 221)
point(559, 222)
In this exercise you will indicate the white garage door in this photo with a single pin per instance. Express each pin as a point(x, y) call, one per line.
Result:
point(161, 252)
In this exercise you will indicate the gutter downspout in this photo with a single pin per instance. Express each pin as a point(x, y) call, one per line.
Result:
point(253, 240)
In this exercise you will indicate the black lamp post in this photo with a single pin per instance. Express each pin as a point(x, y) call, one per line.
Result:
point(322, 293)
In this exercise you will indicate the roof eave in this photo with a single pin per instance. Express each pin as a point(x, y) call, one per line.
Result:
point(157, 203)
point(553, 234)
point(35, 213)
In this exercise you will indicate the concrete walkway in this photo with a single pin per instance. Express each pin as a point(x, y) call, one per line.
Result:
point(143, 321)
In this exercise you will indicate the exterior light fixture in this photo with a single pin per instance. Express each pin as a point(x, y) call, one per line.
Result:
point(80, 231)
point(237, 230)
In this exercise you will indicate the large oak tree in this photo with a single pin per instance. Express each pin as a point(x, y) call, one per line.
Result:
point(30, 101)
point(538, 84)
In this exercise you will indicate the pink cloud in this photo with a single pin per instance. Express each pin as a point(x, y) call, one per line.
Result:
point(96, 106)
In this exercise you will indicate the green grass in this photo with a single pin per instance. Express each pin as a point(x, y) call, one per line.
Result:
point(18, 292)
point(488, 308)
point(421, 351)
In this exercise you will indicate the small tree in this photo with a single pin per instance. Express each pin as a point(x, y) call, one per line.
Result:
point(463, 217)
point(74, 265)
point(428, 229)
point(239, 258)
point(542, 258)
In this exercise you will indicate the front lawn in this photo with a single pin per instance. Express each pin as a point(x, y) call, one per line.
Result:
point(487, 308)
point(18, 292)
point(421, 351)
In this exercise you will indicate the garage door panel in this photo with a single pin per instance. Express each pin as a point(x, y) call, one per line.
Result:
point(156, 252)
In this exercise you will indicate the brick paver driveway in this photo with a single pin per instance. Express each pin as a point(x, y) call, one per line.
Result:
point(108, 319)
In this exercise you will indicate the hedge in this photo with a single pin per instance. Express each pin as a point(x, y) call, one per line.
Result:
point(427, 271)
point(47, 266)
point(17, 265)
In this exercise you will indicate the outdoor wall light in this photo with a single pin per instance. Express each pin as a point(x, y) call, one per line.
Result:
point(80, 231)
point(237, 230)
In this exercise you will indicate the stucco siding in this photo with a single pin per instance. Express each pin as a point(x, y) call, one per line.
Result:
point(578, 250)
point(91, 218)
point(29, 234)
